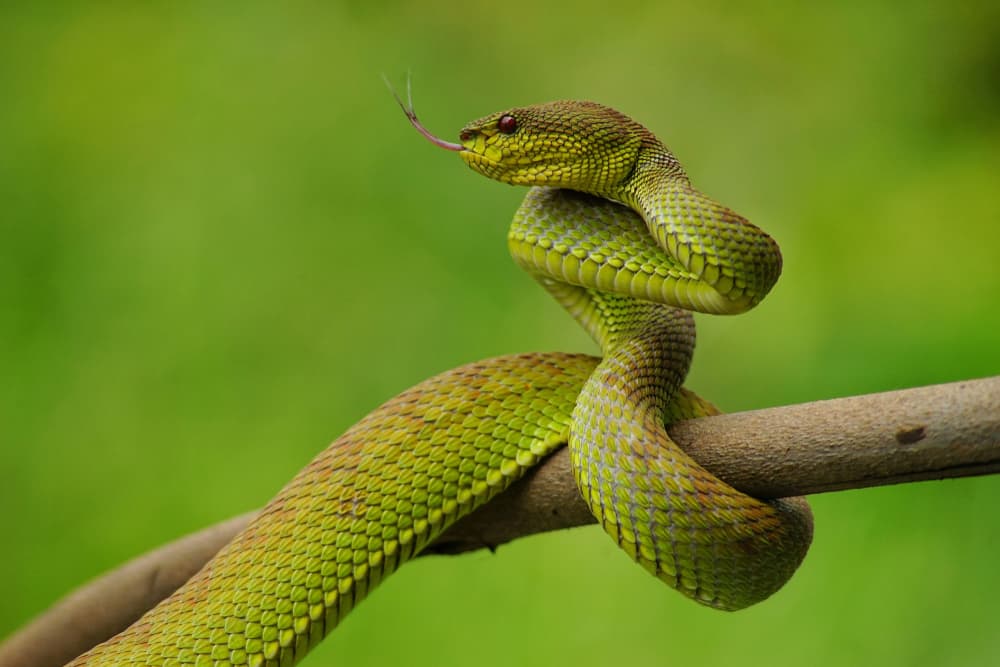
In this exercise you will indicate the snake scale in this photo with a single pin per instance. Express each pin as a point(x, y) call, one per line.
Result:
point(613, 229)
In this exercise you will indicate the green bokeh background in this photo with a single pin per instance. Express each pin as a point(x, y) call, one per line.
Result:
point(221, 244)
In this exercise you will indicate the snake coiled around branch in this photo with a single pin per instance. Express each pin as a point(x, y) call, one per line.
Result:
point(613, 229)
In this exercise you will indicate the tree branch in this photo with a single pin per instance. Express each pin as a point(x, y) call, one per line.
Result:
point(949, 430)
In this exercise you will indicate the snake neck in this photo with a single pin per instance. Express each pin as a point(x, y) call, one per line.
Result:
point(617, 320)
point(720, 248)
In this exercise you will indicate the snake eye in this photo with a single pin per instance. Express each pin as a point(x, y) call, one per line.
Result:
point(507, 124)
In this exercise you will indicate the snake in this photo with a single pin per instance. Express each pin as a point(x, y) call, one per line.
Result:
point(613, 229)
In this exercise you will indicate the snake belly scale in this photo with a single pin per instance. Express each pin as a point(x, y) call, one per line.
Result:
point(613, 229)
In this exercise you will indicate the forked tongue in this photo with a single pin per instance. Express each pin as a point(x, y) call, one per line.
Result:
point(411, 115)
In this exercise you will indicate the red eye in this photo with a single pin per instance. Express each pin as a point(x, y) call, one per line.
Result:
point(507, 124)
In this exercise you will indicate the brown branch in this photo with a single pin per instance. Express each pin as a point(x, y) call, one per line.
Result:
point(950, 430)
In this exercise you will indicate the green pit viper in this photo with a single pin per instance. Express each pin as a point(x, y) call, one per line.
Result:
point(613, 229)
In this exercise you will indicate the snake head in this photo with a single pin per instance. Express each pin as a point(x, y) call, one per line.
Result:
point(582, 146)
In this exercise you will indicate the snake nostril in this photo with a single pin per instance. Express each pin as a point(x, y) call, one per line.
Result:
point(466, 135)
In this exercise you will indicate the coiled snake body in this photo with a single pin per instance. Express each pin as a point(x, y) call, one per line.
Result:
point(614, 231)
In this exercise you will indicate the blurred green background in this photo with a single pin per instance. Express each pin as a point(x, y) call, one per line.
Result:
point(221, 244)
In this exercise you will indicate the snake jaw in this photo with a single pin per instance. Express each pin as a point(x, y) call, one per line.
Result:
point(482, 156)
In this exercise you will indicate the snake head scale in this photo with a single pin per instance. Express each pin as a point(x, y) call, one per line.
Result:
point(578, 145)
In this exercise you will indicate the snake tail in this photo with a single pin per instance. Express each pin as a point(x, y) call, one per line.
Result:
point(368, 503)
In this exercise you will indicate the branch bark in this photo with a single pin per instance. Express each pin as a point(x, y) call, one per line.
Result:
point(935, 432)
